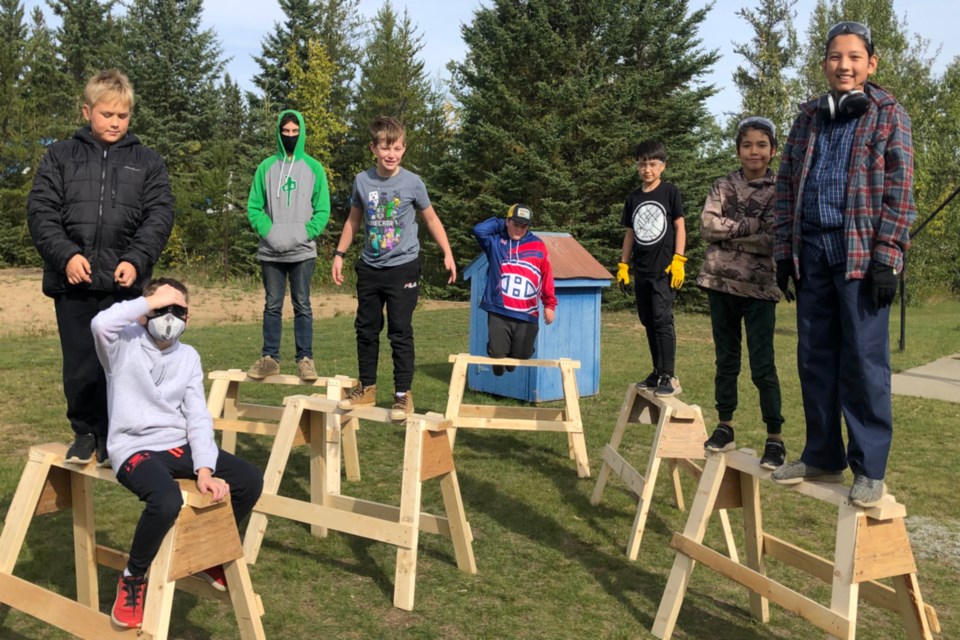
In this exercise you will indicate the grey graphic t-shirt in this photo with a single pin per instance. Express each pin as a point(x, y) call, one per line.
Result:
point(389, 208)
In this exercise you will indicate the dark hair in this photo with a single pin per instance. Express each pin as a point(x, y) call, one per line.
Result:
point(288, 118)
point(152, 285)
point(757, 124)
point(386, 129)
point(858, 29)
point(651, 150)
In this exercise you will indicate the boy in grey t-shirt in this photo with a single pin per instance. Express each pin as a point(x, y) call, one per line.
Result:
point(386, 199)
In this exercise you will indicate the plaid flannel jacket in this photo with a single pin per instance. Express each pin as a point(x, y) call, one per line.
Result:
point(879, 206)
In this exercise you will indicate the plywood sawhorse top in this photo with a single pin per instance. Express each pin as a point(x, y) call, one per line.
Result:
point(477, 416)
point(427, 454)
point(870, 544)
point(204, 535)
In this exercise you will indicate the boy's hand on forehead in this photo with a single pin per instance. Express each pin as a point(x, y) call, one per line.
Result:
point(164, 296)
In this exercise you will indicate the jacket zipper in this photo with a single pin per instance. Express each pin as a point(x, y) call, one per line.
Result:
point(103, 184)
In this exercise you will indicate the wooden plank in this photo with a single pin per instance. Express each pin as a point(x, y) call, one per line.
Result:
point(57, 493)
point(623, 470)
point(680, 439)
point(460, 532)
point(753, 541)
point(730, 494)
point(681, 410)
point(261, 412)
point(203, 538)
point(56, 610)
point(845, 592)
point(436, 457)
point(22, 507)
point(815, 613)
point(911, 608)
point(571, 402)
point(238, 375)
point(245, 603)
point(513, 362)
point(517, 425)
point(429, 523)
point(405, 576)
point(84, 541)
point(356, 524)
point(510, 413)
point(882, 550)
point(245, 426)
point(643, 507)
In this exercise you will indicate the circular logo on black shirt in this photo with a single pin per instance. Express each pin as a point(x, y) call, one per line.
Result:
point(649, 222)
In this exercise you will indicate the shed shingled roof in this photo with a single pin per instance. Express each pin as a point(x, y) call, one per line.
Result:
point(570, 260)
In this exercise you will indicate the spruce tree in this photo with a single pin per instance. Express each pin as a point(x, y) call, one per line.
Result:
point(88, 38)
point(556, 94)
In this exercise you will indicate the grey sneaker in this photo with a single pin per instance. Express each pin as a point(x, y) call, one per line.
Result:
point(265, 366)
point(867, 492)
point(306, 370)
point(360, 396)
point(721, 440)
point(402, 406)
point(798, 471)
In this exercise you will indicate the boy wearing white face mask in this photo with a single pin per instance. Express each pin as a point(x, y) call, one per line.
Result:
point(160, 428)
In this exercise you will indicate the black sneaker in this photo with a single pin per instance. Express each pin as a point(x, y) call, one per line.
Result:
point(82, 449)
point(103, 458)
point(721, 439)
point(774, 454)
point(498, 370)
point(667, 386)
point(650, 382)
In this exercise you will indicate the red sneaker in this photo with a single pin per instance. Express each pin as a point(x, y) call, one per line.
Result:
point(128, 607)
point(215, 576)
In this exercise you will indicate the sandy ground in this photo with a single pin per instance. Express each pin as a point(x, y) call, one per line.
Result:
point(24, 310)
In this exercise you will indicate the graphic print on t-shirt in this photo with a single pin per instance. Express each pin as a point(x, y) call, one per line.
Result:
point(383, 228)
point(519, 284)
point(649, 222)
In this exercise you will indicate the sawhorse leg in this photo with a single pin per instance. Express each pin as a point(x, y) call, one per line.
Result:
point(576, 444)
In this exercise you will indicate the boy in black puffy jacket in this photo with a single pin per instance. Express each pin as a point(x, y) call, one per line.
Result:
point(100, 212)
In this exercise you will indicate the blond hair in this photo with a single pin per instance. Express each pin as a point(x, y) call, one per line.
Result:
point(386, 129)
point(110, 83)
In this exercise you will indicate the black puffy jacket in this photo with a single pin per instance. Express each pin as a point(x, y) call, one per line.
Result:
point(110, 203)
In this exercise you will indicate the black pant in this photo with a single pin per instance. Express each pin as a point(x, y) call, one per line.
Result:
point(399, 289)
point(84, 383)
point(509, 337)
point(151, 475)
point(655, 308)
point(759, 318)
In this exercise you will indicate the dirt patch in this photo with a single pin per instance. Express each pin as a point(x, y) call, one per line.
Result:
point(24, 310)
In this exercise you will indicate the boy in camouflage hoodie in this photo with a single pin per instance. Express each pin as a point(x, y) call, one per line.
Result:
point(739, 276)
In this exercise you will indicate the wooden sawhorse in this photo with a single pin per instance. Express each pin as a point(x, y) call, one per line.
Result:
point(870, 544)
point(427, 454)
point(477, 416)
point(204, 535)
point(678, 439)
point(230, 416)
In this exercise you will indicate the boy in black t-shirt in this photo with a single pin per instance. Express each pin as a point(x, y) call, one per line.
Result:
point(655, 238)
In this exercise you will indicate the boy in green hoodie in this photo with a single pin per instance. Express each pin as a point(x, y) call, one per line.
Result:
point(289, 207)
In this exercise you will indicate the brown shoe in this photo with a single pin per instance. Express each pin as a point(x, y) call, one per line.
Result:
point(306, 370)
point(360, 396)
point(265, 366)
point(402, 406)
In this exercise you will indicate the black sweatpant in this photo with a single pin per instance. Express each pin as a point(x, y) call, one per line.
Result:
point(151, 475)
point(399, 289)
point(655, 308)
point(509, 337)
point(84, 383)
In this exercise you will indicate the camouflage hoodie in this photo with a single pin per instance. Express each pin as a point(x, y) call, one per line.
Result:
point(736, 223)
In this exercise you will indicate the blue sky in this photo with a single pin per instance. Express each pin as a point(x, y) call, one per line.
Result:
point(242, 25)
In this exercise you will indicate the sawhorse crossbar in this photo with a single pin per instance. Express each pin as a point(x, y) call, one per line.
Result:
point(230, 416)
point(476, 416)
point(204, 535)
point(427, 454)
point(870, 544)
point(678, 439)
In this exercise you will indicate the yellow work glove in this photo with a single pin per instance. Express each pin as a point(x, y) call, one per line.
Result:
point(623, 277)
point(676, 271)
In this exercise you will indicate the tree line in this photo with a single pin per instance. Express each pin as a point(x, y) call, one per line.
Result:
point(546, 107)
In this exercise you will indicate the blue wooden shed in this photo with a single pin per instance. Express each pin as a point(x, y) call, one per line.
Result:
point(575, 334)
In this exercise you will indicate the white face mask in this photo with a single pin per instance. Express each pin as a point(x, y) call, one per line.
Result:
point(166, 328)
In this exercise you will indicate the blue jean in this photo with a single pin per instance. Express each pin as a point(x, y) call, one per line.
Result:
point(275, 276)
point(843, 358)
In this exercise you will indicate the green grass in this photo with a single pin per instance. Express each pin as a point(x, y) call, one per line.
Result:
point(550, 564)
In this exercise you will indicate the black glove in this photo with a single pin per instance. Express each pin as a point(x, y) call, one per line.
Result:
point(883, 284)
point(784, 276)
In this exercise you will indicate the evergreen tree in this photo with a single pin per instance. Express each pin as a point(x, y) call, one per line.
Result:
point(88, 38)
point(311, 92)
point(15, 142)
point(766, 87)
point(393, 83)
point(555, 96)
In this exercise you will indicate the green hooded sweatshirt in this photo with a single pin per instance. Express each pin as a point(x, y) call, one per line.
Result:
point(289, 203)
